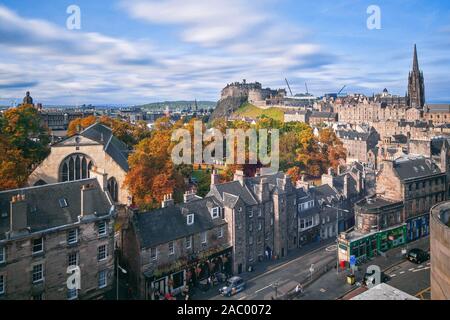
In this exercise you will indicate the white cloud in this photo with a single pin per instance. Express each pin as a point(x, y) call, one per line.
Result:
point(79, 67)
point(206, 22)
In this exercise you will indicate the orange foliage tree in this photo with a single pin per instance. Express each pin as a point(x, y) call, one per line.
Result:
point(152, 173)
point(24, 142)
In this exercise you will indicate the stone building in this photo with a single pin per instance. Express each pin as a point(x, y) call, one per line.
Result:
point(261, 215)
point(376, 214)
point(317, 118)
point(360, 146)
point(440, 255)
point(73, 158)
point(438, 114)
point(45, 229)
point(297, 116)
point(166, 249)
point(419, 183)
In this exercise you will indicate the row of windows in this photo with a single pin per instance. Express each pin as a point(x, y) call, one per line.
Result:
point(420, 185)
point(305, 205)
point(38, 276)
point(215, 213)
point(72, 238)
point(187, 244)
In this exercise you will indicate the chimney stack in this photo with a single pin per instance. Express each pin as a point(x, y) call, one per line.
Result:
point(215, 178)
point(189, 196)
point(239, 176)
point(18, 213)
point(167, 201)
point(87, 200)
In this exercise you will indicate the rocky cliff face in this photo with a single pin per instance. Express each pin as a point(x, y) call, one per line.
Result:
point(225, 107)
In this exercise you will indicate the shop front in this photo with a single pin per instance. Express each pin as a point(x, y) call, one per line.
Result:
point(418, 227)
point(309, 236)
point(192, 272)
point(364, 248)
point(367, 246)
point(391, 238)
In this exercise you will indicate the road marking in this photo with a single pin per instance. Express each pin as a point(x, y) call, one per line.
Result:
point(402, 272)
point(242, 298)
point(420, 293)
point(421, 266)
point(428, 263)
point(393, 275)
point(263, 288)
point(426, 268)
point(411, 269)
point(288, 263)
point(322, 290)
point(331, 248)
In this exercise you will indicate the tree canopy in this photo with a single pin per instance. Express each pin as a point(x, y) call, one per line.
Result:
point(24, 142)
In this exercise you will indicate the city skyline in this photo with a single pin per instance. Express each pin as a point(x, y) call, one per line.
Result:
point(135, 52)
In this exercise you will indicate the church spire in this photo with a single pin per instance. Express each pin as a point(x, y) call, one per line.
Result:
point(415, 60)
point(416, 87)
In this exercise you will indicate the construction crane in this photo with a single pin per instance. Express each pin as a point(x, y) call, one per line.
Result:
point(341, 89)
point(306, 85)
point(289, 87)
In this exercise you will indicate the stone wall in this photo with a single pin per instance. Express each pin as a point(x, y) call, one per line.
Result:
point(49, 169)
point(20, 262)
point(440, 252)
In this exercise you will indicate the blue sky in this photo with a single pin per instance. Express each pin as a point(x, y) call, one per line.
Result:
point(138, 51)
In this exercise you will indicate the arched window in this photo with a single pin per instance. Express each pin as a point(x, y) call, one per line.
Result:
point(75, 167)
point(113, 188)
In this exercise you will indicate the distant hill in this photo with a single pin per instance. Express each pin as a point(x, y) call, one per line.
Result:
point(251, 111)
point(179, 105)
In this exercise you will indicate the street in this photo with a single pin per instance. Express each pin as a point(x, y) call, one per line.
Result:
point(411, 278)
point(282, 278)
point(406, 276)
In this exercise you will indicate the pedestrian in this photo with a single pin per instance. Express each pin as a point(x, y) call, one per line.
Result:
point(266, 254)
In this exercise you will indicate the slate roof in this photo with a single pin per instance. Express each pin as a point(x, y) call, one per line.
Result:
point(233, 188)
point(167, 224)
point(415, 167)
point(325, 193)
point(352, 135)
point(44, 210)
point(438, 108)
point(115, 148)
point(323, 114)
point(376, 204)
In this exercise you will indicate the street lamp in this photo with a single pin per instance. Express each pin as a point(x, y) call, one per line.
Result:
point(117, 280)
point(337, 232)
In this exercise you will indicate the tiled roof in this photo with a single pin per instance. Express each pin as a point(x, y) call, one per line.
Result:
point(115, 148)
point(44, 209)
point(167, 224)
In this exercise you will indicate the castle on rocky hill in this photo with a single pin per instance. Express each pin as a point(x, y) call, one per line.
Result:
point(254, 94)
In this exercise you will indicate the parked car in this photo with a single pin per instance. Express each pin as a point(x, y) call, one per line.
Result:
point(233, 286)
point(417, 255)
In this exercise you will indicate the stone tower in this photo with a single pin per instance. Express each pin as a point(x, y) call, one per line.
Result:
point(416, 87)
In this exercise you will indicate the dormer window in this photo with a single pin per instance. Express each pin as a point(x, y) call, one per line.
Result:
point(190, 219)
point(215, 212)
point(63, 203)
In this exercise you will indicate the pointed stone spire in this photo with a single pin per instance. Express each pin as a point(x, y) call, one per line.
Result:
point(415, 60)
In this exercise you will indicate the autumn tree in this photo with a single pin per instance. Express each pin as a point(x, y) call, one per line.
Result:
point(13, 166)
point(24, 142)
point(80, 124)
point(152, 173)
